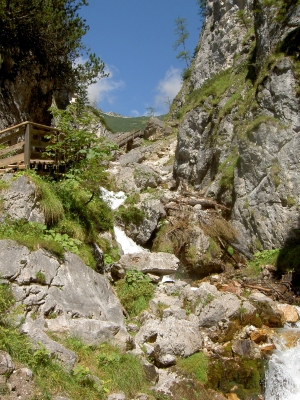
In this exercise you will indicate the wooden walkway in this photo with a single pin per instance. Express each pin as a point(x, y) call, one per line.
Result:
point(126, 138)
point(24, 144)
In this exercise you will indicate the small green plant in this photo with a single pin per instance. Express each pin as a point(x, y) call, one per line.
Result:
point(40, 278)
point(260, 259)
point(230, 251)
point(64, 240)
point(41, 357)
point(133, 199)
point(134, 292)
point(160, 309)
point(209, 298)
point(227, 168)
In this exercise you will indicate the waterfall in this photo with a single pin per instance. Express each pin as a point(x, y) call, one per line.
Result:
point(283, 374)
point(128, 245)
point(114, 200)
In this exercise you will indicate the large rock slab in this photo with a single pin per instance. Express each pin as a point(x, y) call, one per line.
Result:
point(61, 296)
point(153, 263)
point(170, 337)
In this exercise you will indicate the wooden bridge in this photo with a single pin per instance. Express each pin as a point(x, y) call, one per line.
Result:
point(126, 139)
point(24, 144)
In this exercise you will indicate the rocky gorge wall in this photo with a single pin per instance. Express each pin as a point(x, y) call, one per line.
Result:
point(238, 138)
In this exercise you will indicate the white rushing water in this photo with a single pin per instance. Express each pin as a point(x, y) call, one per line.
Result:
point(283, 374)
point(114, 200)
point(127, 244)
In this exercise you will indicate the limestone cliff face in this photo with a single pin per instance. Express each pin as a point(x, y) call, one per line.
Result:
point(25, 94)
point(239, 139)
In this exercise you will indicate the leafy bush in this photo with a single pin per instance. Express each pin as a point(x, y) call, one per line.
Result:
point(134, 292)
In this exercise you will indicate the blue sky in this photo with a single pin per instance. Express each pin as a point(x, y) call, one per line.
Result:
point(135, 40)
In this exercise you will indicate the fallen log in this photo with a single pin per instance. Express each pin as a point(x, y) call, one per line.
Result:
point(257, 288)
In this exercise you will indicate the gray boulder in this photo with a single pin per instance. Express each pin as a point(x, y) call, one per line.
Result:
point(170, 337)
point(153, 211)
point(145, 177)
point(153, 263)
point(156, 129)
point(6, 364)
point(20, 201)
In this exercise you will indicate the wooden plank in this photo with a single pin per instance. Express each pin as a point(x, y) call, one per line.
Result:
point(12, 137)
point(14, 127)
point(15, 147)
point(43, 126)
point(12, 160)
point(27, 147)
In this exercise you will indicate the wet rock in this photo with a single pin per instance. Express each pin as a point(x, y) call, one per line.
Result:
point(268, 311)
point(246, 348)
point(290, 313)
point(153, 212)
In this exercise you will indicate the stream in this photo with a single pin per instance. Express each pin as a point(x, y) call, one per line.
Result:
point(282, 380)
point(114, 200)
point(283, 373)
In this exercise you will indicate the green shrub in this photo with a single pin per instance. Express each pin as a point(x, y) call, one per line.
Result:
point(186, 74)
point(50, 204)
point(134, 292)
point(130, 214)
point(260, 259)
point(118, 371)
point(6, 301)
point(227, 168)
point(40, 277)
point(196, 365)
point(30, 234)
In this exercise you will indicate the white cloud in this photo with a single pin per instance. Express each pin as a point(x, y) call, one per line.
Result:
point(105, 88)
point(134, 113)
point(167, 89)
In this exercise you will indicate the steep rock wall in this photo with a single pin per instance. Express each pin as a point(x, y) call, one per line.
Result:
point(239, 136)
point(25, 94)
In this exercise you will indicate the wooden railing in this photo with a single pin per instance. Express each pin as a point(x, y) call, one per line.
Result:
point(24, 143)
point(122, 140)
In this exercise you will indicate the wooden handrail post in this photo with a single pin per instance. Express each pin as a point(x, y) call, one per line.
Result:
point(27, 147)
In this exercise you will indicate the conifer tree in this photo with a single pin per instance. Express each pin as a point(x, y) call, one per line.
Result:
point(183, 34)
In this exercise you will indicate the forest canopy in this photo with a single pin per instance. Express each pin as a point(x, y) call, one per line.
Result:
point(48, 33)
